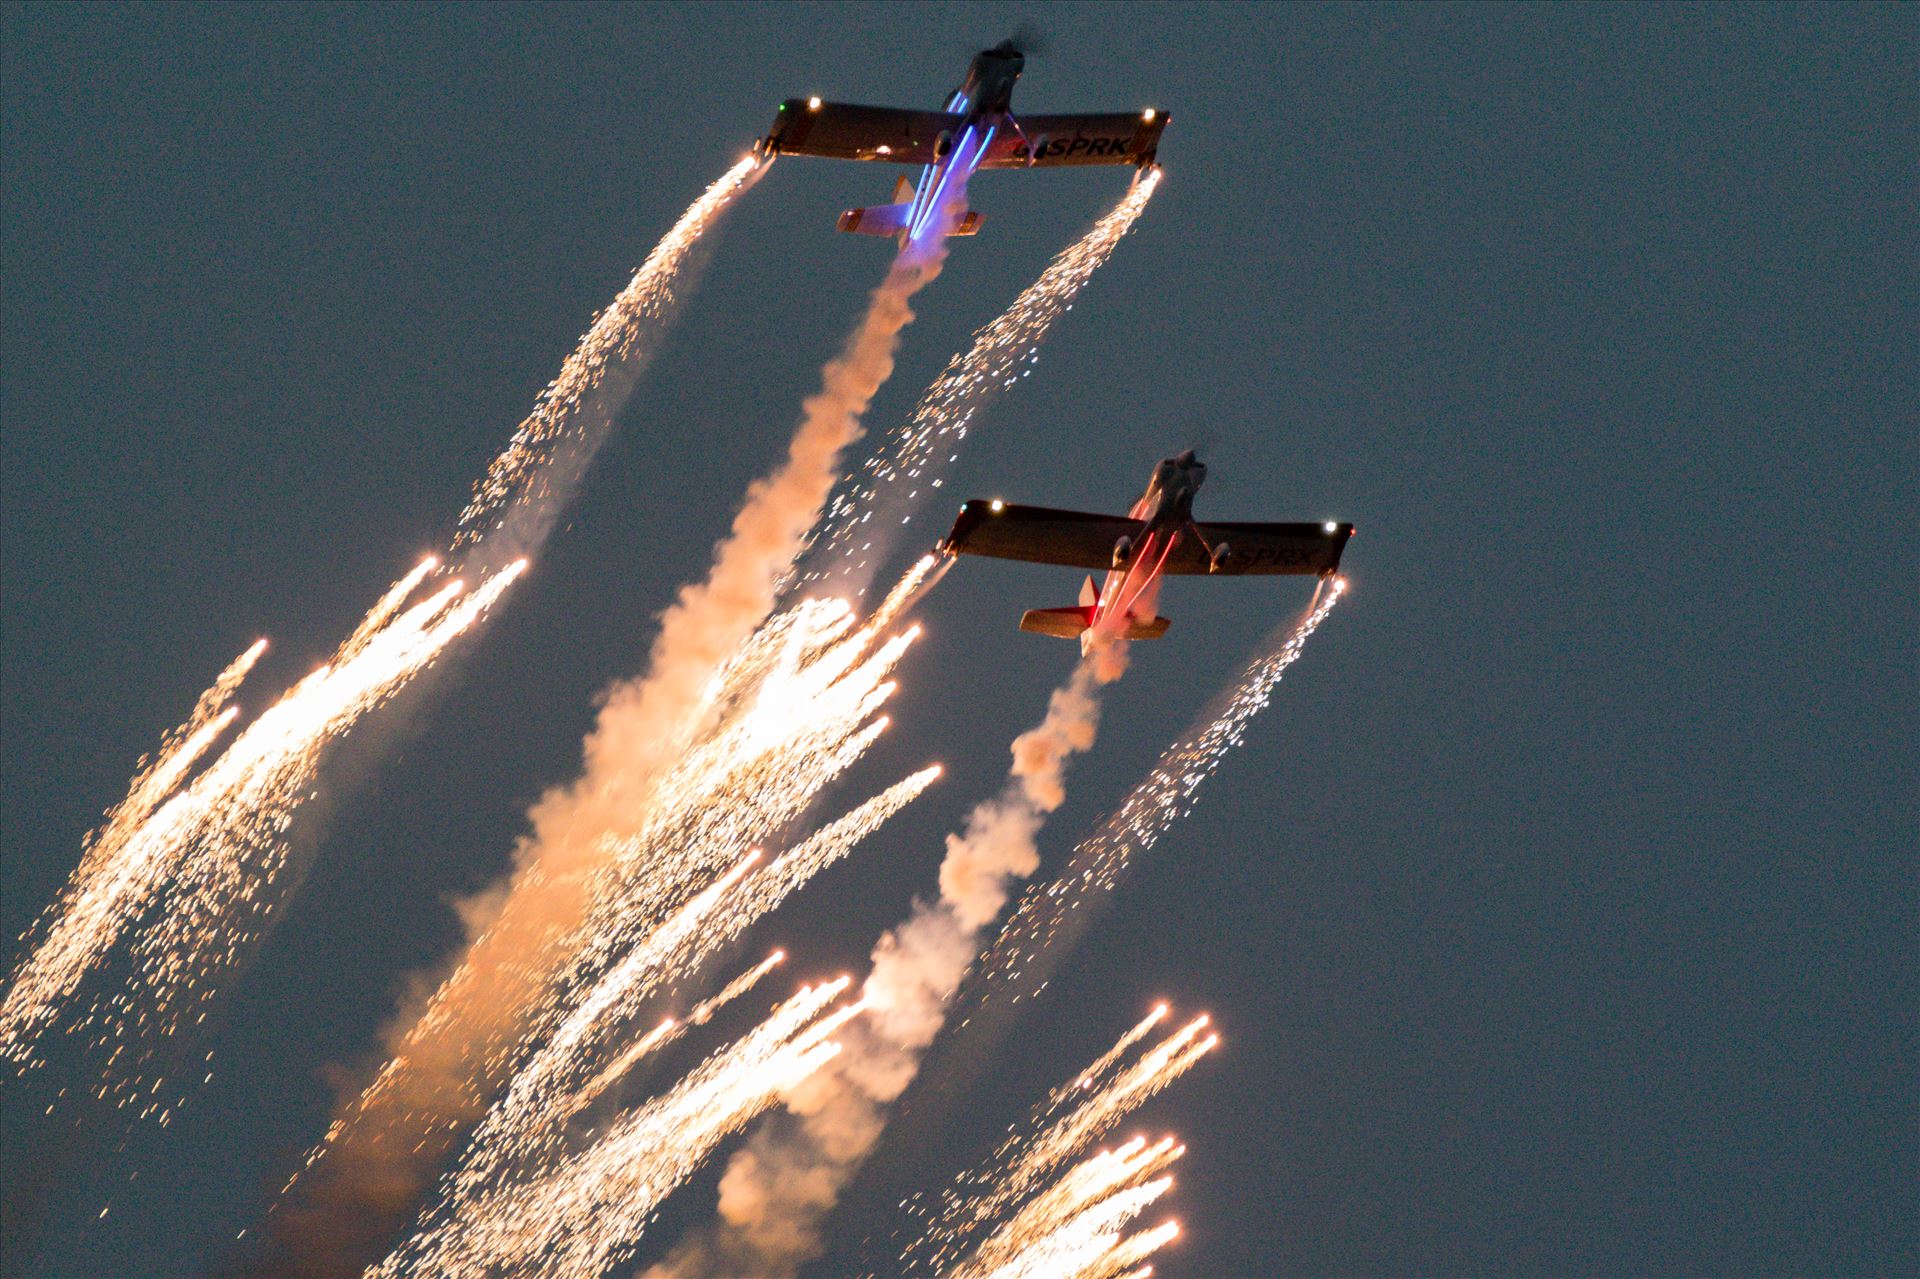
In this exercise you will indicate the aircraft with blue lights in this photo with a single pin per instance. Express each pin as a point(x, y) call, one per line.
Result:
point(975, 129)
point(1158, 536)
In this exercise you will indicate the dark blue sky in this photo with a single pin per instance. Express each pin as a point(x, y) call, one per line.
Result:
point(1559, 915)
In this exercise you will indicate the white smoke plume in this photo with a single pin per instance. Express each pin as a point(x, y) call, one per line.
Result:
point(778, 1189)
point(446, 1050)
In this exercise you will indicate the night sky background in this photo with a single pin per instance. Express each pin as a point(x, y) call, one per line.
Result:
point(1559, 915)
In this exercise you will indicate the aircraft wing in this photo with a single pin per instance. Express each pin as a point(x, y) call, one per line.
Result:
point(1262, 548)
point(841, 131)
point(1038, 534)
point(1074, 539)
point(1127, 137)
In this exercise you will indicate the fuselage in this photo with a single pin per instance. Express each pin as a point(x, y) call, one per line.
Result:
point(984, 100)
point(1165, 513)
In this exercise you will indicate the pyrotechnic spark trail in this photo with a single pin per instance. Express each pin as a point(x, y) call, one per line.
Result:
point(551, 448)
point(71, 933)
point(192, 878)
point(905, 470)
point(1009, 1187)
point(385, 608)
point(125, 864)
point(201, 877)
point(1076, 1229)
point(667, 1031)
point(583, 1217)
point(777, 1190)
point(792, 709)
point(1046, 914)
point(451, 1055)
point(537, 1104)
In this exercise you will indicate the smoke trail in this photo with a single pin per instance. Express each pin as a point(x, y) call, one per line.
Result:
point(895, 480)
point(778, 1189)
point(515, 504)
point(446, 1054)
point(1052, 916)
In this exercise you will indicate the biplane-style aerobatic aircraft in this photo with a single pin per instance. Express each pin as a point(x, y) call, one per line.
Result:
point(1158, 536)
point(975, 129)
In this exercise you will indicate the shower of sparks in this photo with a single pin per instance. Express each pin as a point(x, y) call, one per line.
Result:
point(1076, 1228)
point(906, 467)
point(1163, 797)
point(1052, 1221)
point(582, 1057)
point(548, 1089)
point(586, 1214)
point(667, 1031)
point(190, 874)
point(790, 711)
point(385, 608)
point(533, 467)
point(68, 935)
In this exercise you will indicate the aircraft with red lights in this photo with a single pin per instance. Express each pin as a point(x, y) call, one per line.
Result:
point(975, 129)
point(1158, 536)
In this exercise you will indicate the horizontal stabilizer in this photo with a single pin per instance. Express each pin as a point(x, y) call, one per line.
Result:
point(1067, 623)
point(891, 219)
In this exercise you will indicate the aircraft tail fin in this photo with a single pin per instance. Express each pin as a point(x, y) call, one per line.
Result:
point(1061, 623)
point(892, 219)
point(1068, 623)
point(883, 219)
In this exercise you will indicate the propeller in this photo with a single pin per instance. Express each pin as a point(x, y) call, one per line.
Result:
point(1029, 40)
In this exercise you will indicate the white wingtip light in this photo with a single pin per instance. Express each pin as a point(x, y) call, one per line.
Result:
point(1148, 115)
point(813, 104)
point(1331, 526)
point(997, 505)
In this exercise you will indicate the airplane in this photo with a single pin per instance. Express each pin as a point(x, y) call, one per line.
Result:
point(974, 129)
point(1158, 536)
